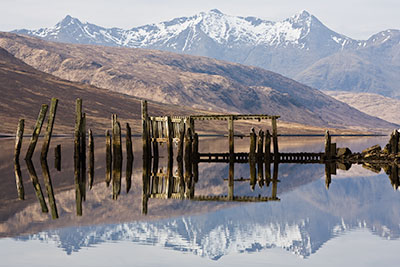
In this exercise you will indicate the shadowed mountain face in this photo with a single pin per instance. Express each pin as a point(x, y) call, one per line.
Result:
point(299, 47)
point(195, 82)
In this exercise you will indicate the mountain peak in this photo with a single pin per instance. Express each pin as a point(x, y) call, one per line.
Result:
point(68, 20)
point(216, 11)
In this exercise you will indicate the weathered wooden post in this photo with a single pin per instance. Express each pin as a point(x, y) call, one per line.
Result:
point(129, 157)
point(36, 132)
point(91, 159)
point(188, 161)
point(195, 157)
point(108, 158)
point(36, 185)
point(267, 158)
point(57, 157)
point(275, 139)
point(17, 167)
point(117, 158)
point(179, 158)
point(49, 129)
point(77, 156)
point(170, 152)
point(252, 158)
point(83, 156)
point(327, 145)
point(260, 155)
point(231, 137)
point(49, 188)
point(145, 177)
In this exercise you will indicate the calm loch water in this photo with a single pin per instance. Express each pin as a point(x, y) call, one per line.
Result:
point(354, 223)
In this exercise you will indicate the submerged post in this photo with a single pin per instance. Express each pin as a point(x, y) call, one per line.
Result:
point(57, 157)
point(231, 137)
point(17, 168)
point(49, 129)
point(36, 131)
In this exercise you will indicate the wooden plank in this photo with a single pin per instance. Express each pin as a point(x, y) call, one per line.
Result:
point(17, 167)
point(231, 157)
point(36, 132)
point(49, 129)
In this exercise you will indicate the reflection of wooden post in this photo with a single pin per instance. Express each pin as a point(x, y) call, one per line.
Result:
point(327, 145)
point(267, 158)
point(36, 185)
point(108, 158)
point(36, 132)
point(49, 188)
point(170, 152)
point(275, 139)
point(49, 129)
point(17, 167)
point(260, 155)
point(195, 157)
point(252, 158)
point(117, 158)
point(155, 146)
point(275, 180)
point(327, 175)
point(57, 157)
point(231, 158)
point(129, 157)
point(188, 161)
point(91, 159)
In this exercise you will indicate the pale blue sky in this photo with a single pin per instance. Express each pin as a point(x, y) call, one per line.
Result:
point(355, 18)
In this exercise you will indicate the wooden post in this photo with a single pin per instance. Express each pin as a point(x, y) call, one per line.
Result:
point(77, 156)
point(252, 158)
point(260, 158)
point(17, 168)
point(49, 188)
point(36, 132)
point(275, 139)
point(129, 157)
point(327, 145)
point(188, 161)
point(195, 157)
point(91, 159)
point(108, 158)
point(179, 158)
point(49, 129)
point(117, 158)
point(231, 137)
point(170, 152)
point(57, 157)
point(83, 156)
point(267, 158)
point(145, 177)
point(36, 185)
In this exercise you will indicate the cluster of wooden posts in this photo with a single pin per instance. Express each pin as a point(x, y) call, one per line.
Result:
point(43, 158)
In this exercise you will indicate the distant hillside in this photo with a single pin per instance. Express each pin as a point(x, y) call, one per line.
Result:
point(300, 47)
point(195, 82)
point(373, 104)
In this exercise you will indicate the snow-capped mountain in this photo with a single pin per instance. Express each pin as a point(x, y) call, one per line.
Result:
point(300, 47)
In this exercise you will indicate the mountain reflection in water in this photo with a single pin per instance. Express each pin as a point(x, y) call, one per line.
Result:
point(306, 217)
